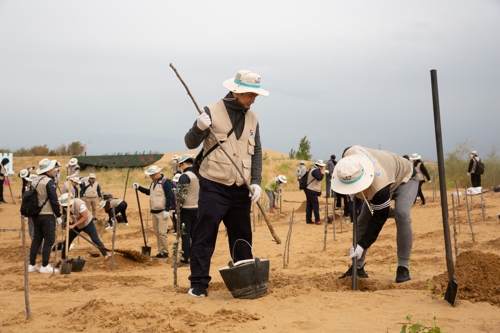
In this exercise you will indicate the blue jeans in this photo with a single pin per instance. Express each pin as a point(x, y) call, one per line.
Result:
point(89, 230)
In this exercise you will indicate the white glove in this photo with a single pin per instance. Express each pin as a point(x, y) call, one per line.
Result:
point(356, 253)
point(59, 221)
point(256, 192)
point(135, 186)
point(67, 166)
point(468, 173)
point(203, 121)
point(166, 215)
point(327, 172)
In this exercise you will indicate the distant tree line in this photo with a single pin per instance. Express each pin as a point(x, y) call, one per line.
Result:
point(74, 148)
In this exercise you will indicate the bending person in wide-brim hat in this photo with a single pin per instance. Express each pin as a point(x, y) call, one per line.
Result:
point(120, 207)
point(83, 222)
point(272, 189)
point(377, 177)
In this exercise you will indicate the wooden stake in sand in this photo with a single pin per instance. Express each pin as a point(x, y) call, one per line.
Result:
point(115, 222)
point(326, 225)
point(333, 220)
point(483, 206)
point(286, 253)
point(25, 261)
point(180, 195)
point(469, 208)
point(269, 225)
point(458, 195)
point(454, 229)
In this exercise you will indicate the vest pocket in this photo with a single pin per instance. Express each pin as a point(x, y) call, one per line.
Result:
point(251, 145)
point(219, 166)
point(247, 169)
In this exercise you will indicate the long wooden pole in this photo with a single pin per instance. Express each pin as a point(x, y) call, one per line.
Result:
point(269, 225)
point(26, 283)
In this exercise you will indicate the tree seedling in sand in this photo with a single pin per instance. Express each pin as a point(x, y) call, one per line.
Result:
point(419, 326)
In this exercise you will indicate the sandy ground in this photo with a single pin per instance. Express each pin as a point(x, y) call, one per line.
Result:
point(305, 296)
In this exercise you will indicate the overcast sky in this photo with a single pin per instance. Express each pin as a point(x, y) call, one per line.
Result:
point(340, 72)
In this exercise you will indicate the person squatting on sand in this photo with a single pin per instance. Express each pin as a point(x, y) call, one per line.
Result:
point(120, 207)
point(223, 194)
point(160, 202)
point(378, 177)
point(44, 224)
point(83, 222)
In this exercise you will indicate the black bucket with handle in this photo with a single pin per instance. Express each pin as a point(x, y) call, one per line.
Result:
point(246, 279)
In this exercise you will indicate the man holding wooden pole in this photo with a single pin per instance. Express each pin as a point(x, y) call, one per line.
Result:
point(223, 193)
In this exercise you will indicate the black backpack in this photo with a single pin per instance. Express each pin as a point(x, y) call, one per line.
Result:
point(29, 204)
point(303, 180)
point(479, 168)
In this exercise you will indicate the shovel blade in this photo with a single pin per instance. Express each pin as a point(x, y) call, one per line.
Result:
point(146, 250)
point(66, 268)
point(452, 292)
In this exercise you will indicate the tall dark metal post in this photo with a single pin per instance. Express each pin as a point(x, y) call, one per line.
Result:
point(354, 243)
point(452, 290)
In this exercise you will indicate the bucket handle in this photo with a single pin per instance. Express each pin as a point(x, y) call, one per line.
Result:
point(234, 245)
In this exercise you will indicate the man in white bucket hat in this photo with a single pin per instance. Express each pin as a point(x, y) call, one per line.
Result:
point(223, 194)
point(313, 191)
point(377, 177)
point(45, 222)
point(160, 201)
point(72, 168)
point(300, 170)
point(91, 193)
point(475, 177)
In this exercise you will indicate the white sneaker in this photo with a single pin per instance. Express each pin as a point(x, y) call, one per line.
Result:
point(48, 269)
point(32, 268)
point(109, 227)
point(126, 224)
point(71, 247)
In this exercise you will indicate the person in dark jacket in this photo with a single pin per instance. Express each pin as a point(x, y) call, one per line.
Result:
point(475, 178)
point(3, 174)
point(223, 194)
point(330, 165)
point(24, 174)
point(422, 174)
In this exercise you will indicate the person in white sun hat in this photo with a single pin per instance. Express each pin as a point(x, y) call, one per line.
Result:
point(422, 174)
point(377, 177)
point(91, 193)
point(45, 222)
point(313, 191)
point(72, 168)
point(175, 165)
point(272, 189)
point(300, 170)
point(223, 194)
point(475, 177)
point(160, 201)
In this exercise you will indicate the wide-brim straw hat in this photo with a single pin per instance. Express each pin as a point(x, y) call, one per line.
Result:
point(45, 165)
point(152, 170)
point(24, 173)
point(63, 200)
point(352, 174)
point(415, 156)
point(282, 179)
point(185, 158)
point(73, 161)
point(245, 81)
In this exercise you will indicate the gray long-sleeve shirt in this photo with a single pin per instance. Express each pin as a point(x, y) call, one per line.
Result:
point(195, 136)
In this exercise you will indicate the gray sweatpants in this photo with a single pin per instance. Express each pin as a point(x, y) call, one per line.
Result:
point(404, 197)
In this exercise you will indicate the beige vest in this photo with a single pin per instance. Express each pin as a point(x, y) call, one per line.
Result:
point(389, 168)
point(72, 170)
point(191, 199)
point(65, 188)
point(3, 171)
point(315, 184)
point(90, 189)
point(113, 203)
point(157, 199)
point(216, 166)
point(420, 175)
point(76, 211)
point(41, 189)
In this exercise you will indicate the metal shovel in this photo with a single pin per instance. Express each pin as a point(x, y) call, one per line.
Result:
point(146, 250)
point(66, 266)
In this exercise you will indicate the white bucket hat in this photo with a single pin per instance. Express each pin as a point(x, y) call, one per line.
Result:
point(30, 178)
point(45, 165)
point(76, 180)
point(474, 152)
point(24, 173)
point(175, 157)
point(320, 163)
point(186, 157)
point(73, 161)
point(282, 179)
point(415, 156)
point(152, 170)
point(63, 200)
point(352, 174)
point(92, 175)
point(302, 162)
point(245, 81)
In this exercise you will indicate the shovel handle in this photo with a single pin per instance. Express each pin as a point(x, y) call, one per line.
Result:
point(140, 217)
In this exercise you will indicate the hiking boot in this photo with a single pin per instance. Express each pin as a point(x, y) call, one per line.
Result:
point(423, 204)
point(402, 274)
point(310, 222)
point(198, 290)
point(48, 269)
point(34, 268)
point(162, 255)
point(360, 272)
point(318, 223)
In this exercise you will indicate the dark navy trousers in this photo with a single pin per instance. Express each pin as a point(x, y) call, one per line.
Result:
point(312, 205)
point(189, 218)
point(216, 203)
